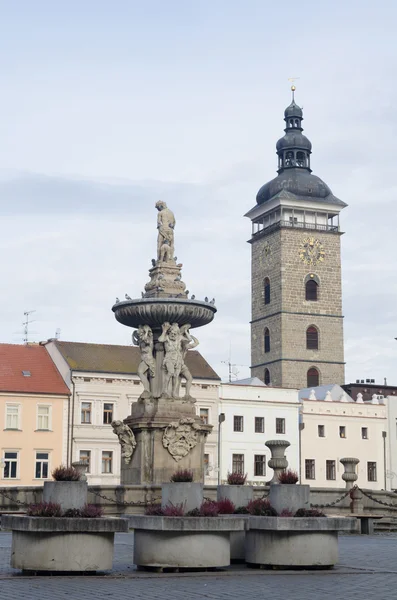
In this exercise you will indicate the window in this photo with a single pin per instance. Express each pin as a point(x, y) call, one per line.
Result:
point(86, 412)
point(267, 339)
point(238, 463)
point(12, 416)
point(206, 464)
point(10, 465)
point(342, 431)
point(238, 423)
point(204, 415)
point(107, 413)
point(259, 465)
point(313, 378)
point(107, 460)
point(310, 468)
point(364, 433)
point(280, 425)
point(85, 457)
point(43, 417)
point(266, 290)
point(41, 468)
point(267, 377)
point(321, 431)
point(371, 471)
point(330, 468)
point(300, 157)
point(311, 290)
point(259, 424)
point(312, 338)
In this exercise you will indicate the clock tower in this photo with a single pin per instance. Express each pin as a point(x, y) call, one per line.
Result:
point(297, 322)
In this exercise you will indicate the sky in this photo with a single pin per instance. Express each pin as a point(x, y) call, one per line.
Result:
point(107, 107)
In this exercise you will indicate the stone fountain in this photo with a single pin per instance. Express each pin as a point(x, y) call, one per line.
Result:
point(163, 432)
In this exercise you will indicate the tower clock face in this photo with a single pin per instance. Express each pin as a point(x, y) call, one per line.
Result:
point(311, 251)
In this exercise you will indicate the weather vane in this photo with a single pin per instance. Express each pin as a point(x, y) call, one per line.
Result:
point(293, 86)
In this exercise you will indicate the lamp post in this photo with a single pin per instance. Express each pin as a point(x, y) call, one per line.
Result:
point(221, 418)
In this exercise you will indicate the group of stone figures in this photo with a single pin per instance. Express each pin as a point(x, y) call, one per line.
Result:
point(177, 341)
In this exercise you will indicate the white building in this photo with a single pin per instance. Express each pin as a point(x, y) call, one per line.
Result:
point(335, 427)
point(255, 413)
point(104, 383)
point(391, 473)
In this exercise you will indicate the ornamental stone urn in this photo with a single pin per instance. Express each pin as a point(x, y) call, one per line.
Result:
point(350, 475)
point(278, 462)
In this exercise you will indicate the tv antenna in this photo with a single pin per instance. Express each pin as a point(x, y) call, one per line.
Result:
point(26, 324)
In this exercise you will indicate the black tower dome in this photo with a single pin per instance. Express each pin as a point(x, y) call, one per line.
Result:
point(294, 172)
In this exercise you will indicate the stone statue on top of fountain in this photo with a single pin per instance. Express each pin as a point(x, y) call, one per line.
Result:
point(165, 226)
point(147, 367)
point(177, 341)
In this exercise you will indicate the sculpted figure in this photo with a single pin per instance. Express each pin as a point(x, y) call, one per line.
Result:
point(188, 342)
point(126, 438)
point(147, 368)
point(165, 225)
point(172, 363)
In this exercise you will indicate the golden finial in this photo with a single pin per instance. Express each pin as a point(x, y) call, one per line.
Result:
point(293, 86)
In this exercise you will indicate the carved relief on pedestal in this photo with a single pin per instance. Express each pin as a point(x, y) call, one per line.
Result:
point(180, 437)
point(147, 368)
point(126, 438)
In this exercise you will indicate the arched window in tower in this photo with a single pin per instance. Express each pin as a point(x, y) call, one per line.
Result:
point(267, 377)
point(311, 290)
point(313, 378)
point(266, 290)
point(312, 338)
point(300, 159)
point(267, 339)
point(289, 159)
point(296, 123)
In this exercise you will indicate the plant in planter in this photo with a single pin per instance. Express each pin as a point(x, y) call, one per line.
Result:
point(234, 478)
point(173, 510)
point(183, 475)
point(288, 477)
point(67, 489)
point(309, 512)
point(226, 507)
point(44, 509)
point(154, 510)
point(261, 507)
point(286, 513)
point(63, 473)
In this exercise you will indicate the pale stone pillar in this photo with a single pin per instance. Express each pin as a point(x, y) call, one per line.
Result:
point(278, 462)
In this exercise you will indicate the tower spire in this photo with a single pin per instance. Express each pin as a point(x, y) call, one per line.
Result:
point(294, 148)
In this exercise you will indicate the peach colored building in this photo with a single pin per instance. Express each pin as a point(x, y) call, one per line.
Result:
point(34, 403)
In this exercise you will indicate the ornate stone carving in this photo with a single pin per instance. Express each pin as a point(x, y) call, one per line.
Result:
point(147, 368)
point(165, 239)
point(126, 438)
point(177, 341)
point(188, 342)
point(180, 437)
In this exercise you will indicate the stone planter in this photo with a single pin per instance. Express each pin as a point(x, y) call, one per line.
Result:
point(289, 496)
point(183, 542)
point(60, 544)
point(69, 494)
point(189, 494)
point(278, 462)
point(240, 495)
point(310, 542)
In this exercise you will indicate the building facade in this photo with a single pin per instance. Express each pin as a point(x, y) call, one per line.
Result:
point(34, 404)
point(103, 381)
point(335, 427)
point(297, 323)
point(254, 414)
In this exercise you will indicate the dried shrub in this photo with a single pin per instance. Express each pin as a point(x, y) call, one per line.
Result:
point(195, 512)
point(154, 510)
point(44, 509)
point(209, 509)
point(309, 512)
point(63, 473)
point(91, 511)
point(286, 513)
point(234, 478)
point(226, 507)
point(173, 510)
point(288, 476)
point(72, 513)
point(241, 510)
point(261, 507)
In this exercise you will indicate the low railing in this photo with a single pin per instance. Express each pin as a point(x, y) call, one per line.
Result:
point(298, 225)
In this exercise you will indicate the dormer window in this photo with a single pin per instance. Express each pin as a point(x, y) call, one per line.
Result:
point(26, 373)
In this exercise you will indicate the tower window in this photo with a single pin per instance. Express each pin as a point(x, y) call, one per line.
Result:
point(300, 159)
point(267, 340)
point(289, 159)
point(312, 338)
point(311, 290)
point(267, 376)
point(313, 378)
point(267, 290)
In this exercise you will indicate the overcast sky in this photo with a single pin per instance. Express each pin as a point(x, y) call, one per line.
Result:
point(106, 107)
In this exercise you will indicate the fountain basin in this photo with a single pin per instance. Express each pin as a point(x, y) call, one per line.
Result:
point(156, 311)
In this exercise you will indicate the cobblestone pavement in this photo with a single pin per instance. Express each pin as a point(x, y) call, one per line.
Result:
point(367, 570)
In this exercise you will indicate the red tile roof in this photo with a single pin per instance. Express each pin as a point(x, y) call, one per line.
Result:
point(41, 375)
